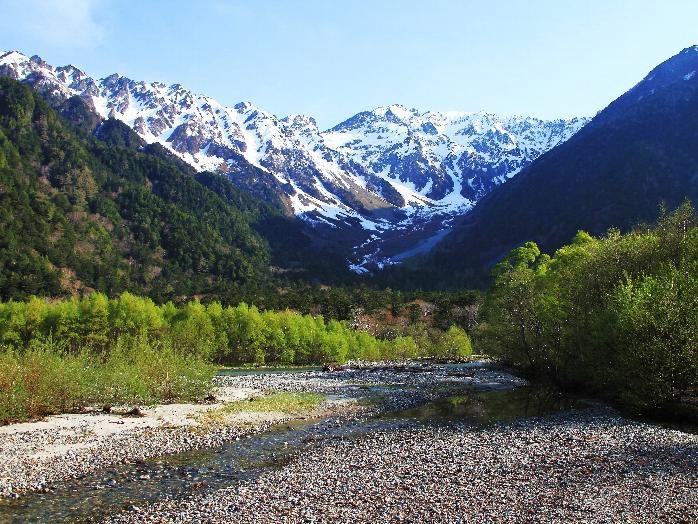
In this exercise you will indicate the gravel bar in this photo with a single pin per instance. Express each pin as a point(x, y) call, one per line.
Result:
point(579, 466)
point(21, 470)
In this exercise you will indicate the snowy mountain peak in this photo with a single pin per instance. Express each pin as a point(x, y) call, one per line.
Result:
point(453, 157)
point(396, 112)
point(243, 107)
point(301, 121)
point(15, 57)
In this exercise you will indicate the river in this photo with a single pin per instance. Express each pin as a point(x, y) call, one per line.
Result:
point(403, 402)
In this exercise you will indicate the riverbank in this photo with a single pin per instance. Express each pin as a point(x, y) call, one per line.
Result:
point(578, 466)
point(35, 455)
point(435, 443)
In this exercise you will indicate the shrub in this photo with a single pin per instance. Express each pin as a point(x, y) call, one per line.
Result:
point(454, 344)
point(61, 355)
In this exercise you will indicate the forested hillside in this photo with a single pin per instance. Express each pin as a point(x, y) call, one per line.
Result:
point(639, 152)
point(80, 212)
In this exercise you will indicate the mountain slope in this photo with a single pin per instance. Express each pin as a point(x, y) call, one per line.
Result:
point(304, 176)
point(79, 213)
point(387, 178)
point(639, 152)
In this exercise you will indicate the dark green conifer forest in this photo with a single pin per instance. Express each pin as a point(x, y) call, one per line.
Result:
point(80, 213)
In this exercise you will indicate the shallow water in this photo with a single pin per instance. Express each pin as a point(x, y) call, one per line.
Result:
point(114, 489)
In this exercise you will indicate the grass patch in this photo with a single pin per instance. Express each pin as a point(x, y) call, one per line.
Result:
point(281, 401)
point(46, 378)
point(277, 402)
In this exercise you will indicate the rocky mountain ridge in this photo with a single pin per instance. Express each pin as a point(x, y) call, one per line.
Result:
point(387, 173)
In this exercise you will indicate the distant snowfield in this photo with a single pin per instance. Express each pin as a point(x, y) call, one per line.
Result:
point(429, 166)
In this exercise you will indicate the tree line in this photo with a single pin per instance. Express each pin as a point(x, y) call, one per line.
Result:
point(239, 334)
point(60, 355)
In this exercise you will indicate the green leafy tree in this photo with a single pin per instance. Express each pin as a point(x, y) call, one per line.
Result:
point(455, 344)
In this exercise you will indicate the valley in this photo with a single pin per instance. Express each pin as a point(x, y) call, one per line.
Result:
point(332, 462)
point(320, 305)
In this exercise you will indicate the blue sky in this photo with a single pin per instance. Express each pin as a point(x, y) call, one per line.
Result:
point(331, 59)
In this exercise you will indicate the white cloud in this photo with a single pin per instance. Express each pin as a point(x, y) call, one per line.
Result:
point(60, 23)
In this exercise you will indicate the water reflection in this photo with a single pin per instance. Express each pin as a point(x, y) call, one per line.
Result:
point(485, 408)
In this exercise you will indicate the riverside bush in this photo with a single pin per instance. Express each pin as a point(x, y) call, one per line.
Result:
point(140, 370)
point(42, 381)
point(45, 379)
point(616, 315)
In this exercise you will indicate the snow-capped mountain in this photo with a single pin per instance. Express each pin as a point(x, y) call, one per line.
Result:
point(450, 157)
point(313, 181)
point(381, 171)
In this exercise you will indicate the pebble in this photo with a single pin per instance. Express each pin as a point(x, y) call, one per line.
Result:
point(21, 471)
point(589, 465)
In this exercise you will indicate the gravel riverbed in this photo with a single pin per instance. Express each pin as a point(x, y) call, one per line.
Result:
point(401, 463)
point(35, 455)
point(580, 466)
point(78, 450)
